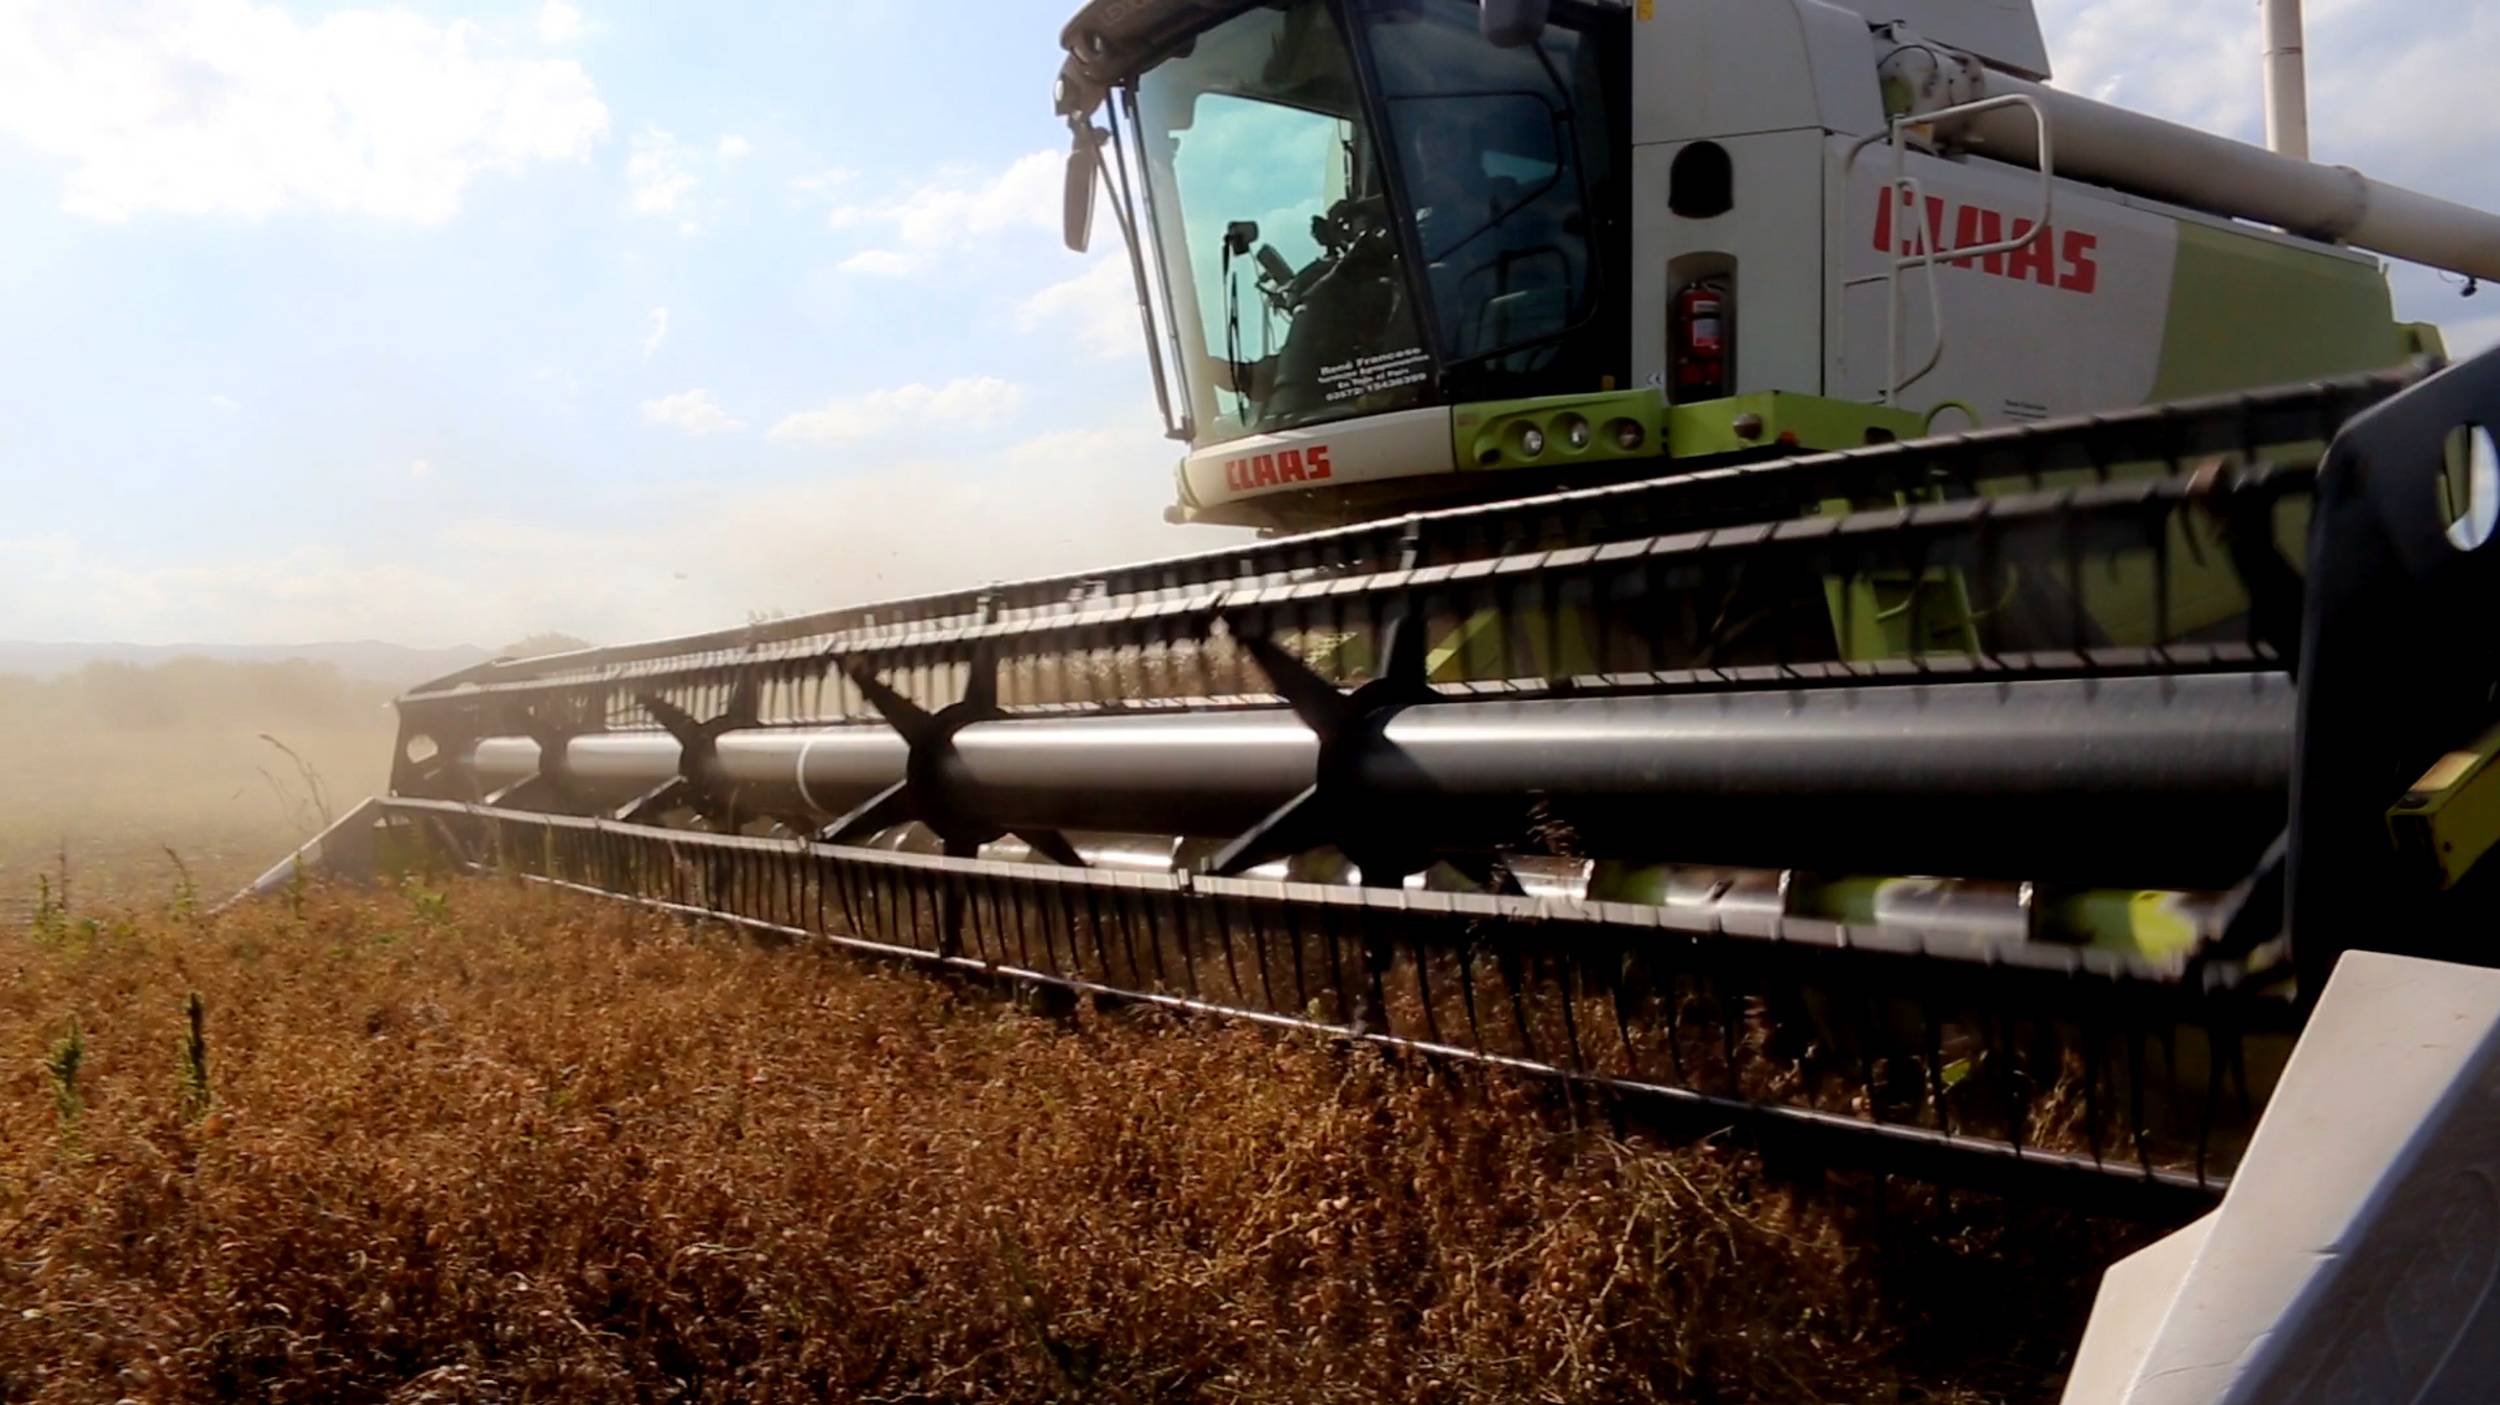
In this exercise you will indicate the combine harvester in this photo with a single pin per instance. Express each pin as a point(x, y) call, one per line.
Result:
point(1818, 587)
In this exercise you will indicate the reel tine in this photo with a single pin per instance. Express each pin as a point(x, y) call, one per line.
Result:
point(1566, 989)
point(1422, 957)
point(1506, 961)
point(1619, 997)
point(1467, 987)
point(1932, 1032)
point(1301, 987)
point(1259, 953)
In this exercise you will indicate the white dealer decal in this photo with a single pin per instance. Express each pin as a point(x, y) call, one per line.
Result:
point(1365, 374)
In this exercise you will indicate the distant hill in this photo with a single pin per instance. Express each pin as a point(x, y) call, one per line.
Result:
point(396, 665)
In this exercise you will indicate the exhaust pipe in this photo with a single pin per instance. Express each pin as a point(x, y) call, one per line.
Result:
point(2287, 81)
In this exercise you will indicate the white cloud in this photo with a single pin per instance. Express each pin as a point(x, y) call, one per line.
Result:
point(658, 173)
point(1097, 308)
point(880, 263)
point(733, 146)
point(934, 218)
point(694, 411)
point(421, 468)
point(226, 107)
point(224, 404)
point(559, 22)
point(659, 332)
point(821, 185)
point(976, 402)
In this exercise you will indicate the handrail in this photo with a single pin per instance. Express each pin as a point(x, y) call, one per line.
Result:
point(1905, 189)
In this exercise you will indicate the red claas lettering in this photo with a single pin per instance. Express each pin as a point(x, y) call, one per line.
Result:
point(2058, 258)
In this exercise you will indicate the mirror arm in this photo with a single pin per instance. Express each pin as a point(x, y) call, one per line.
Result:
point(1512, 23)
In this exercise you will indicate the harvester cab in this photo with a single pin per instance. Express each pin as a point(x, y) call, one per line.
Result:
point(1392, 253)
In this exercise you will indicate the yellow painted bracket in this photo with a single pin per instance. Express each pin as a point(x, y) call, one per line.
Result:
point(2451, 816)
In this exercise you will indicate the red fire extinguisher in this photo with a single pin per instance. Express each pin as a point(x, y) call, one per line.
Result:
point(1702, 328)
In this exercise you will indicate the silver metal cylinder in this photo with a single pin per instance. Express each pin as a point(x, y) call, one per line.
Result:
point(2158, 779)
point(2111, 146)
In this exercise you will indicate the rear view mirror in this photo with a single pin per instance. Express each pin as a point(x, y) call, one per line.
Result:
point(1077, 198)
point(1511, 23)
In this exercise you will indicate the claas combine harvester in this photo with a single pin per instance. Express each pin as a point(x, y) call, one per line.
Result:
point(1809, 584)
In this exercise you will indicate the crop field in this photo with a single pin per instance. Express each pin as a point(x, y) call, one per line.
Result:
point(473, 1140)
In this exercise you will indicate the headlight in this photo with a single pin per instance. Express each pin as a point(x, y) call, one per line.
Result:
point(1628, 435)
point(1575, 432)
point(1531, 441)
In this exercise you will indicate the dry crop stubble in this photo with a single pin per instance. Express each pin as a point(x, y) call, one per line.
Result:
point(491, 1142)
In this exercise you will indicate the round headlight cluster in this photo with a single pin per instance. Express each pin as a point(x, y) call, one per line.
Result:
point(1565, 435)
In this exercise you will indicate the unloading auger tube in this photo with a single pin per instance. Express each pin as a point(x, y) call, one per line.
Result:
point(1983, 807)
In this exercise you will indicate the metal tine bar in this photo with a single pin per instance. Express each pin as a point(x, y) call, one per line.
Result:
point(1675, 1014)
point(981, 932)
point(1731, 1031)
point(1238, 993)
point(902, 897)
point(1010, 920)
point(1058, 929)
point(967, 907)
point(1259, 952)
point(1108, 909)
point(914, 895)
point(1031, 924)
point(898, 909)
point(1618, 998)
point(893, 899)
point(815, 880)
point(1295, 935)
point(1870, 1017)
point(2047, 1065)
point(2017, 1105)
point(1421, 955)
point(1506, 962)
point(1566, 987)
point(793, 888)
point(1093, 929)
point(845, 894)
point(1179, 914)
point(1932, 1027)
point(1331, 921)
point(1467, 989)
point(955, 897)
point(1377, 955)
point(1012, 917)
point(1136, 910)
point(2136, 1129)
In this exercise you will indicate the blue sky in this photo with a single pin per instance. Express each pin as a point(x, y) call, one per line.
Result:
point(446, 323)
